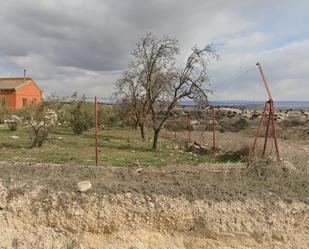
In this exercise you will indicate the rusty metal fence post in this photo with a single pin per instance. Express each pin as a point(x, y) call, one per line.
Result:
point(189, 123)
point(213, 128)
point(96, 131)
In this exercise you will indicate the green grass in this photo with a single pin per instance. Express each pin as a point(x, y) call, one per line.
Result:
point(118, 147)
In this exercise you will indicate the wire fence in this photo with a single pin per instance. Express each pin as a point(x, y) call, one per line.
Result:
point(185, 120)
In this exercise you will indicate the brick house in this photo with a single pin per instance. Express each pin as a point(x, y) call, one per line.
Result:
point(19, 92)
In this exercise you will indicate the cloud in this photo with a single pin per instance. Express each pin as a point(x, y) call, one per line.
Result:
point(84, 45)
point(284, 67)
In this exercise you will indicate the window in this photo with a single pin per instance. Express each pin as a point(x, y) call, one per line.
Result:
point(24, 102)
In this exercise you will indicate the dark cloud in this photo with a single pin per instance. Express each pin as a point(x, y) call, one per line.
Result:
point(84, 45)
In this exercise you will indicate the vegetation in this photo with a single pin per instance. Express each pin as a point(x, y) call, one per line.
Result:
point(3, 111)
point(118, 147)
point(153, 84)
point(81, 117)
point(241, 124)
point(40, 120)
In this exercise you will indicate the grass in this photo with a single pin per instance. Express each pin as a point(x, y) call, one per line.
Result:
point(118, 147)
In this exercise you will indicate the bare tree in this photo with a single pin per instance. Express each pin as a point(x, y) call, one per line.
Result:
point(153, 63)
point(188, 82)
point(164, 85)
point(134, 101)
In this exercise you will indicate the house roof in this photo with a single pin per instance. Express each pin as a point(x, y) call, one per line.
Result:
point(13, 83)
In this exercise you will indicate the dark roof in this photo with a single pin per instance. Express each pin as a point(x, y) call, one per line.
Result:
point(13, 83)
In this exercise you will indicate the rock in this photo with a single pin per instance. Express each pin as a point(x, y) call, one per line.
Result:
point(138, 170)
point(136, 164)
point(15, 137)
point(83, 186)
point(196, 148)
point(289, 166)
point(60, 138)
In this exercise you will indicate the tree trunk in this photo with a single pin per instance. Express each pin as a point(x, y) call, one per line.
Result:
point(135, 125)
point(142, 129)
point(155, 138)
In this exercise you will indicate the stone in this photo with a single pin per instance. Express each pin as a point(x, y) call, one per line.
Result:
point(136, 164)
point(289, 166)
point(138, 170)
point(83, 186)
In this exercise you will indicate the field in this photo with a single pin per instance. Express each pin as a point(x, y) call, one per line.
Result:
point(118, 147)
point(143, 198)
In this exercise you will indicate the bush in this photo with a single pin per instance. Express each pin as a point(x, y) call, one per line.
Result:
point(40, 121)
point(13, 125)
point(112, 116)
point(38, 137)
point(4, 111)
point(81, 117)
point(180, 124)
point(241, 124)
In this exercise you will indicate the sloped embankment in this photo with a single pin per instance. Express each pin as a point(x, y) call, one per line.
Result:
point(34, 215)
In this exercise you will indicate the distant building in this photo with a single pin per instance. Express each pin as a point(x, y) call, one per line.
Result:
point(19, 92)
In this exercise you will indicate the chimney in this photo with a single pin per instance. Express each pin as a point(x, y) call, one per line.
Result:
point(25, 74)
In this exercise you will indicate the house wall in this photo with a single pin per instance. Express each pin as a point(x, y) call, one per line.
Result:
point(29, 92)
point(10, 98)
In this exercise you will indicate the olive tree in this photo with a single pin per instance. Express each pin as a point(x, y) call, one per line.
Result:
point(41, 120)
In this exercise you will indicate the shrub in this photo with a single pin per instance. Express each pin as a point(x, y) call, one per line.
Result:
point(40, 120)
point(179, 124)
point(12, 125)
point(241, 124)
point(4, 111)
point(112, 116)
point(81, 117)
point(38, 137)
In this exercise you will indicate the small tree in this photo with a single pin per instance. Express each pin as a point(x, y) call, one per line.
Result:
point(61, 110)
point(134, 100)
point(81, 117)
point(41, 120)
point(4, 111)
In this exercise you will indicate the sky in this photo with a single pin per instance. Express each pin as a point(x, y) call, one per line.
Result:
point(84, 45)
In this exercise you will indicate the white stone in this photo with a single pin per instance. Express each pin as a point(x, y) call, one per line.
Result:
point(83, 186)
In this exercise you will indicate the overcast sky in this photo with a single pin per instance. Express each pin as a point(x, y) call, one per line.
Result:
point(83, 45)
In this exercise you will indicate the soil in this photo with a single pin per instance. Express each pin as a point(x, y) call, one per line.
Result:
point(183, 207)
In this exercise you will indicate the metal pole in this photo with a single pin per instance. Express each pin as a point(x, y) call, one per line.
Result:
point(264, 81)
point(96, 132)
point(259, 127)
point(267, 128)
point(189, 121)
point(213, 128)
point(274, 130)
point(175, 132)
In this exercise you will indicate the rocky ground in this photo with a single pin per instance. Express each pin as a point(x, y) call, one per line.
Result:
point(185, 207)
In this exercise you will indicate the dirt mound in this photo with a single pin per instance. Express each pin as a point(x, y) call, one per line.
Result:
point(38, 215)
